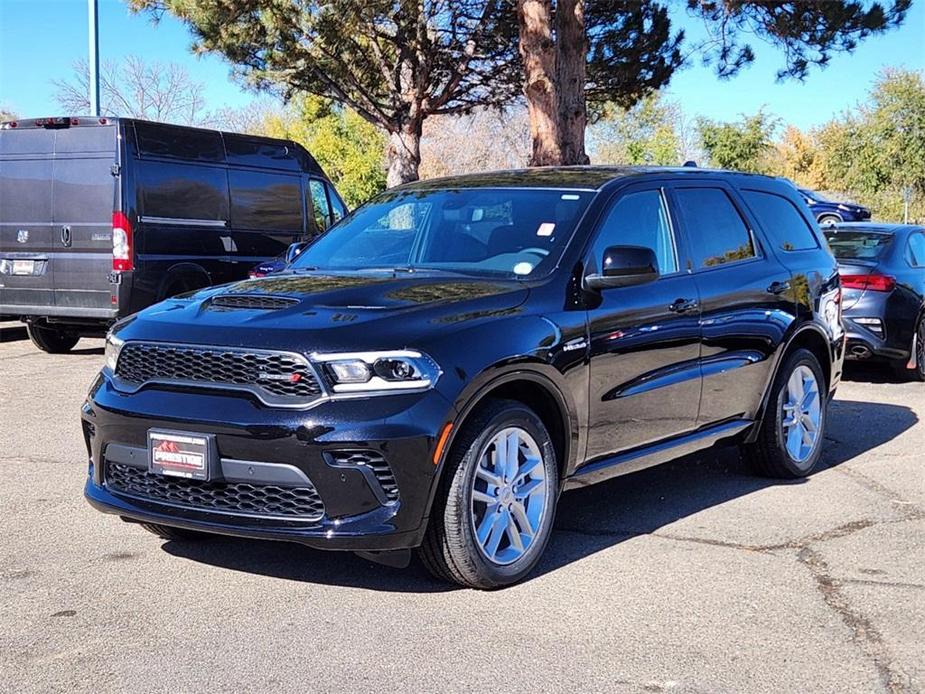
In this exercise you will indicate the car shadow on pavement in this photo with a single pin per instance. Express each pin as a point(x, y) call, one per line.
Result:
point(874, 372)
point(588, 520)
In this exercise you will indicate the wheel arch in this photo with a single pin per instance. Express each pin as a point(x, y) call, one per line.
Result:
point(190, 275)
point(540, 393)
point(810, 337)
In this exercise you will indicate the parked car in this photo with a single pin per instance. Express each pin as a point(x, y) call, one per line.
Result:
point(882, 270)
point(829, 212)
point(100, 218)
point(433, 371)
point(279, 263)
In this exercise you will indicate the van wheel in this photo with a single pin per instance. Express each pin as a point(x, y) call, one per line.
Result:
point(790, 442)
point(166, 532)
point(51, 340)
point(495, 508)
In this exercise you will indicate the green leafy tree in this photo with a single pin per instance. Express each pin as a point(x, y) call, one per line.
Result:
point(742, 146)
point(646, 133)
point(393, 62)
point(578, 54)
point(348, 147)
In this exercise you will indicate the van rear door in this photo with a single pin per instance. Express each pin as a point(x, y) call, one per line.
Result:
point(84, 198)
point(26, 223)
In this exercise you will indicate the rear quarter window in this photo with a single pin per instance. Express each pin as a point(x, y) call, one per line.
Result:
point(178, 142)
point(782, 222)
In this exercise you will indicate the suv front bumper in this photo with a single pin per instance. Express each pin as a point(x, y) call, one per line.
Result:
point(263, 449)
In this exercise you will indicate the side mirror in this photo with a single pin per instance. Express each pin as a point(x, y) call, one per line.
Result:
point(625, 266)
point(295, 250)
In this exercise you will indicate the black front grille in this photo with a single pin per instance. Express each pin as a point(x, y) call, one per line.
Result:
point(253, 301)
point(375, 462)
point(279, 378)
point(300, 503)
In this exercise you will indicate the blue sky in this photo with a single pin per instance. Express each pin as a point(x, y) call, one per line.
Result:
point(40, 39)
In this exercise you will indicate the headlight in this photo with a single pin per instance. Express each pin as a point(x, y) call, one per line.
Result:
point(383, 372)
point(113, 347)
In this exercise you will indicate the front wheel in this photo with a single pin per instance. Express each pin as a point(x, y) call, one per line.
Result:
point(496, 504)
point(789, 443)
point(828, 220)
point(51, 340)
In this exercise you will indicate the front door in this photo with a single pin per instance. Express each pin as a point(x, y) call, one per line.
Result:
point(644, 340)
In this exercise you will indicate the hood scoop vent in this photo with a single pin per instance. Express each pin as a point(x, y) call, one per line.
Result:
point(254, 302)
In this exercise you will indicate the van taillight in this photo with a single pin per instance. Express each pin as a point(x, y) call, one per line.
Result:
point(121, 243)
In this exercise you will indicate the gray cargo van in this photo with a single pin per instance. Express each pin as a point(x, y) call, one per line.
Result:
point(101, 217)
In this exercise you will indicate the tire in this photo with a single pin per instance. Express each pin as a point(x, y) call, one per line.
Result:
point(828, 219)
point(452, 550)
point(166, 532)
point(51, 340)
point(770, 455)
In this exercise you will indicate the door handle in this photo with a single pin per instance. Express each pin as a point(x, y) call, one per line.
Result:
point(65, 236)
point(779, 287)
point(683, 306)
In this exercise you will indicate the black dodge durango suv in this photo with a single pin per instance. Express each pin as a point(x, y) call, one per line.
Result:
point(439, 366)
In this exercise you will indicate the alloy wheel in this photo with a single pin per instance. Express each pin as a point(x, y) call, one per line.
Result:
point(509, 496)
point(801, 413)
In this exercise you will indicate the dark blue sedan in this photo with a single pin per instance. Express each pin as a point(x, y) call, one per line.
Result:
point(829, 212)
point(882, 268)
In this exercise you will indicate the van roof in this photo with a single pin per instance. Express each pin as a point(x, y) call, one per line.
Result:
point(296, 151)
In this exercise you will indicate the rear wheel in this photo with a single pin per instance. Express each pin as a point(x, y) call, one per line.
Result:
point(789, 443)
point(51, 340)
point(496, 504)
point(167, 532)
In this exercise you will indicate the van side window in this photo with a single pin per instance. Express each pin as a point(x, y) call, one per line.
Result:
point(320, 207)
point(338, 211)
point(781, 221)
point(179, 142)
point(639, 219)
point(915, 251)
point(182, 191)
point(265, 201)
point(716, 230)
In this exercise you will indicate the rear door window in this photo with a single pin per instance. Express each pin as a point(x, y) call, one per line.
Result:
point(716, 231)
point(182, 191)
point(781, 220)
point(267, 201)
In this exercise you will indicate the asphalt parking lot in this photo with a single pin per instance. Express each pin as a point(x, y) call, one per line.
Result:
point(690, 577)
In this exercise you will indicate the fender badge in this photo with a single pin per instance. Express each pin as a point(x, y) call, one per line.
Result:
point(22, 235)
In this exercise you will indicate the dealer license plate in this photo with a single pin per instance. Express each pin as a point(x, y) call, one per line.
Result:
point(180, 454)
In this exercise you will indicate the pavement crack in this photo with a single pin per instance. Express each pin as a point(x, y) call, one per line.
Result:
point(863, 632)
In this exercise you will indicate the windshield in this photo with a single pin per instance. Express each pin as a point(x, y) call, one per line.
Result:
point(514, 232)
point(858, 245)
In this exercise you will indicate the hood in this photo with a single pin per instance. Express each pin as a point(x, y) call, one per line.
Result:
point(326, 311)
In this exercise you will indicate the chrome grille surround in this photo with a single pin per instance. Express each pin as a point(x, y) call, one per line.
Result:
point(277, 379)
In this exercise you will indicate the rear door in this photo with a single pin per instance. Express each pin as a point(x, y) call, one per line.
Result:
point(26, 223)
point(84, 197)
point(746, 299)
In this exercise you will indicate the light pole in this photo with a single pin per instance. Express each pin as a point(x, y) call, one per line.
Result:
point(93, 61)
